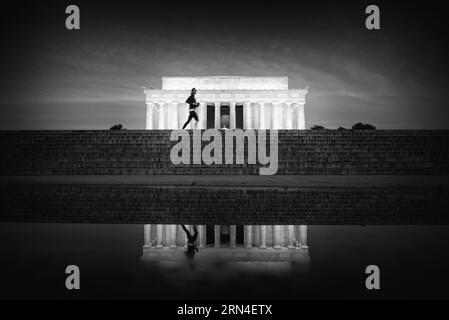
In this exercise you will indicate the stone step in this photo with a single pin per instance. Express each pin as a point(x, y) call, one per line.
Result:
point(148, 152)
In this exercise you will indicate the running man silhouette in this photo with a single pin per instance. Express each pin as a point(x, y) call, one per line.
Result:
point(191, 248)
point(192, 106)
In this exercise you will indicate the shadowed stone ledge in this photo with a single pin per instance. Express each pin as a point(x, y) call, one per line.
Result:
point(334, 200)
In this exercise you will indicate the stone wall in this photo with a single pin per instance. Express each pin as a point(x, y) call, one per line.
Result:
point(324, 177)
point(199, 205)
point(147, 152)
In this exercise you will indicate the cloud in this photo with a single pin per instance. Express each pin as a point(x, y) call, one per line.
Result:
point(101, 70)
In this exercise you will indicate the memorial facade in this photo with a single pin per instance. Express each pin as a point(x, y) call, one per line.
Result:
point(228, 103)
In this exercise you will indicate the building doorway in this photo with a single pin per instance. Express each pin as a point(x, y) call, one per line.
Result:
point(224, 117)
point(239, 117)
point(210, 111)
point(225, 235)
point(240, 235)
point(210, 235)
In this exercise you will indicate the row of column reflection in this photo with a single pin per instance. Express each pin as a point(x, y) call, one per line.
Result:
point(253, 236)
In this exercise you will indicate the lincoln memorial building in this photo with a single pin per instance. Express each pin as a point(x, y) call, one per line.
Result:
point(228, 102)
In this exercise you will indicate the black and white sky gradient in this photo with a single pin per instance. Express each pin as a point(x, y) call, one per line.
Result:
point(52, 78)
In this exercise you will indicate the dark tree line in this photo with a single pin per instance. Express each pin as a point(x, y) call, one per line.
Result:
point(357, 126)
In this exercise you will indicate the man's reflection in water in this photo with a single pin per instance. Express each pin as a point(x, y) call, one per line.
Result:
point(191, 247)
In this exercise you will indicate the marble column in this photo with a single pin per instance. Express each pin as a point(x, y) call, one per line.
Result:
point(233, 234)
point(202, 116)
point(287, 107)
point(291, 236)
point(147, 235)
point(282, 236)
point(217, 231)
point(217, 115)
point(183, 113)
point(173, 235)
point(161, 116)
point(202, 235)
point(262, 120)
point(168, 121)
point(232, 116)
point(263, 237)
point(248, 115)
point(157, 108)
point(277, 237)
point(294, 116)
point(150, 116)
point(277, 116)
point(248, 240)
point(301, 117)
point(303, 236)
point(167, 228)
point(159, 233)
point(173, 116)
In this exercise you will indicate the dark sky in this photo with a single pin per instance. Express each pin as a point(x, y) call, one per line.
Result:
point(53, 78)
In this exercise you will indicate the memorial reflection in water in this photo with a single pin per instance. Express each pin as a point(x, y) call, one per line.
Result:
point(227, 103)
